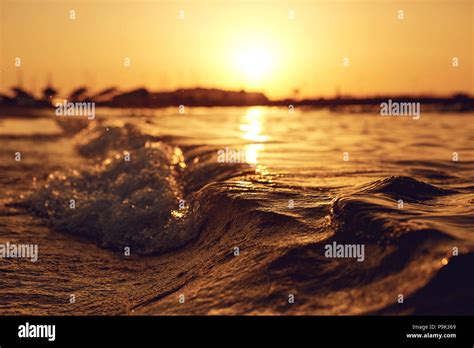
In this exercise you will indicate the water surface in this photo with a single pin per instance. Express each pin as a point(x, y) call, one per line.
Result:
point(401, 187)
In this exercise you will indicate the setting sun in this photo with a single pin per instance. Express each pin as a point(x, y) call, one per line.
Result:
point(254, 64)
point(254, 57)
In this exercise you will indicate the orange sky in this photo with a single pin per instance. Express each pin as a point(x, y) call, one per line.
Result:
point(235, 44)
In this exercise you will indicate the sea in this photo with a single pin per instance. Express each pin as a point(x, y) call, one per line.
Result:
point(232, 211)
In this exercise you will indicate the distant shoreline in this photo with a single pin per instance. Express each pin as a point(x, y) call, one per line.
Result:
point(201, 97)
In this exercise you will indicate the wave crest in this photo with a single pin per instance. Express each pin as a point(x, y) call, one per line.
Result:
point(120, 203)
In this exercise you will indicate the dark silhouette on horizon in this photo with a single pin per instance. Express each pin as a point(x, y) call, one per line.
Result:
point(209, 97)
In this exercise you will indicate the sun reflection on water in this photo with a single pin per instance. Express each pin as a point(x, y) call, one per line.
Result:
point(252, 126)
point(251, 152)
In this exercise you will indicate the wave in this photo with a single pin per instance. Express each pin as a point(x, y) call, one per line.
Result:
point(99, 139)
point(386, 209)
point(137, 192)
point(407, 188)
point(406, 252)
point(129, 199)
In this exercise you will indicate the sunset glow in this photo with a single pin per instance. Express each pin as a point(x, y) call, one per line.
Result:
point(270, 46)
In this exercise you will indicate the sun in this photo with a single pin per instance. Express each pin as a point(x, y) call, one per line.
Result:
point(254, 64)
point(254, 58)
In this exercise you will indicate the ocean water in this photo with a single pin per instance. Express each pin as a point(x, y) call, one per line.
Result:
point(230, 211)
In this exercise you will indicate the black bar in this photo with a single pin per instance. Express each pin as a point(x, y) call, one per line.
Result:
point(345, 330)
